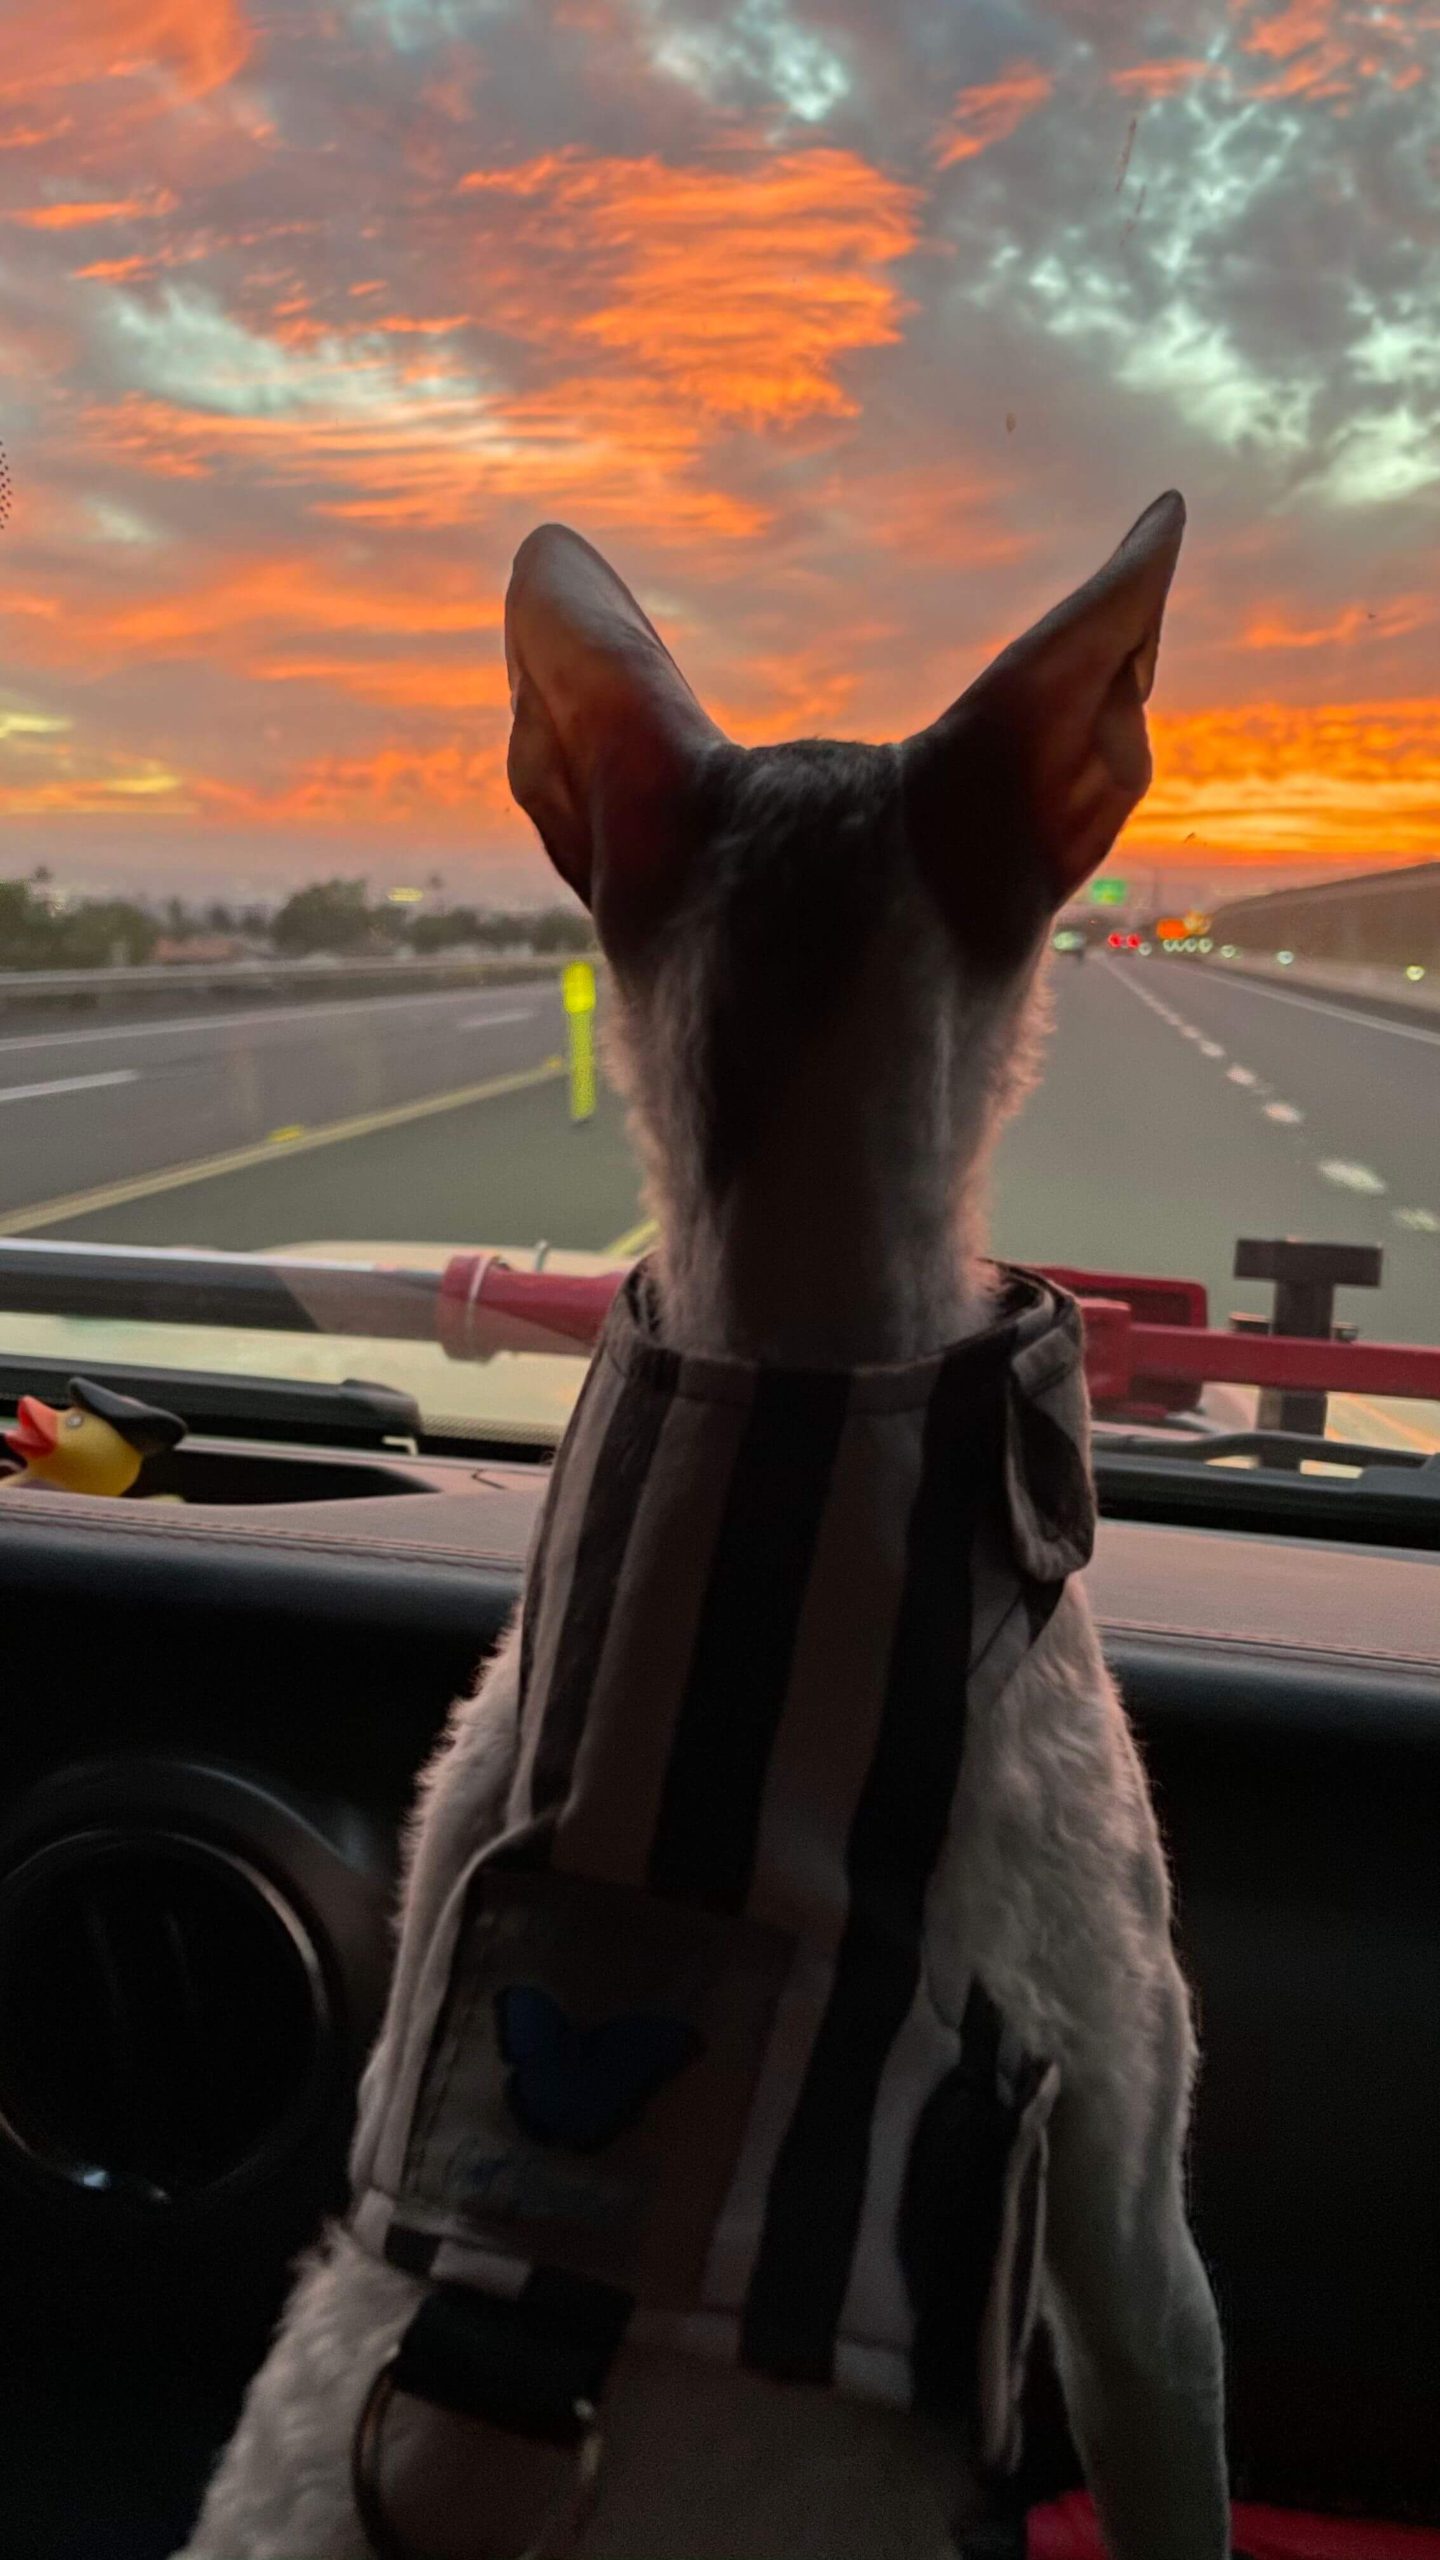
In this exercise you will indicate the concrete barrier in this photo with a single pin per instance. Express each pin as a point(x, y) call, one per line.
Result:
point(37, 994)
point(1339, 977)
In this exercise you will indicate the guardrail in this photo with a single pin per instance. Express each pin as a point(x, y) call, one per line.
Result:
point(259, 982)
point(1339, 977)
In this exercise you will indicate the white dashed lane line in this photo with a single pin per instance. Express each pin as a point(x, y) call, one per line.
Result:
point(1361, 1179)
point(68, 1084)
point(1350, 1177)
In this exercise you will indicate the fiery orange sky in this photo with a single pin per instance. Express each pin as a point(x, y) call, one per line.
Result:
point(854, 336)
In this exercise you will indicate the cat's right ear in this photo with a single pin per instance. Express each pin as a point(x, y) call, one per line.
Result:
point(608, 740)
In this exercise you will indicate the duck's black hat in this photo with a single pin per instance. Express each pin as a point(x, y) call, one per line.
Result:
point(143, 1425)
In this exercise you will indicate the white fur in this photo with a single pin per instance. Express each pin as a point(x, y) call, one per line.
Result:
point(853, 1232)
point(1054, 1890)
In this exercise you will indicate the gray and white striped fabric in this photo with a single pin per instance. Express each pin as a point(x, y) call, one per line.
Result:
point(674, 2035)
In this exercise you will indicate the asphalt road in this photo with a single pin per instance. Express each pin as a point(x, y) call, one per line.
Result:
point(1181, 1109)
point(1184, 1107)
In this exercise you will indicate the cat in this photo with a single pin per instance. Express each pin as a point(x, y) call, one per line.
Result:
point(827, 987)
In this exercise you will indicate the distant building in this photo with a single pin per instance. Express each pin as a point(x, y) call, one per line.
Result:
point(1387, 918)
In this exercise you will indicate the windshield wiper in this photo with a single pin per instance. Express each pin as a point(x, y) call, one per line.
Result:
point(1269, 1448)
point(358, 1414)
point(1393, 1493)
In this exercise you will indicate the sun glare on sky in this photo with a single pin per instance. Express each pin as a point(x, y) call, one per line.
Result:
point(854, 336)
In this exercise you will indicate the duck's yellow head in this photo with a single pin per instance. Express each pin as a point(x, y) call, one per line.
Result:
point(97, 1444)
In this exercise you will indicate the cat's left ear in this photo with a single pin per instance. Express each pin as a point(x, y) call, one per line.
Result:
point(1018, 791)
point(608, 739)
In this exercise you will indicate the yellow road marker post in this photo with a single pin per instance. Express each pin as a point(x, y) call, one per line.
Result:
point(634, 1240)
point(577, 992)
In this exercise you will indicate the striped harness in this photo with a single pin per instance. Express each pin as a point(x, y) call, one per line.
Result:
point(675, 2071)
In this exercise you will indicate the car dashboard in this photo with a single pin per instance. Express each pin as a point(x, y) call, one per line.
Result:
point(216, 1712)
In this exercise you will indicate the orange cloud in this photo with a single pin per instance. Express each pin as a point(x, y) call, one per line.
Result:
point(439, 462)
point(991, 112)
point(936, 514)
point(410, 684)
point(805, 693)
point(399, 324)
point(74, 784)
point(1332, 781)
point(28, 137)
point(1322, 49)
point(1292, 28)
point(1165, 79)
point(226, 615)
point(739, 289)
point(1271, 630)
point(189, 46)
point(657, 309)
point(74, 217)
point(444, 787)
point(115, 270)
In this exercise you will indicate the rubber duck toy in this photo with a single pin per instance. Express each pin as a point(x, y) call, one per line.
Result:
point(97, 1445)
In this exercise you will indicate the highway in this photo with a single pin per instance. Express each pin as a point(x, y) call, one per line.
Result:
point(1181, 1108)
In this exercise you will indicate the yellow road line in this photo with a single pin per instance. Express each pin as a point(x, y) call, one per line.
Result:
point(635, 1239)
point(1405, 1432)
point(113, 1195)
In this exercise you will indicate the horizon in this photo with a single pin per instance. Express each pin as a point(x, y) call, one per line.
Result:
point(854, 351)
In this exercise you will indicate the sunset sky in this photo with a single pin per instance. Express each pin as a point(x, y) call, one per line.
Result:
point(854, 334)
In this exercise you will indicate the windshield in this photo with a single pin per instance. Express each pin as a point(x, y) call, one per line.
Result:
point(855, 338)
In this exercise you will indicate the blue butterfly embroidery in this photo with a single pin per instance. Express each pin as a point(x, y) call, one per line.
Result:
point(582, 2086)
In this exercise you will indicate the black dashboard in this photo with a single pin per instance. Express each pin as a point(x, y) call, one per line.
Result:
point(214, 1718)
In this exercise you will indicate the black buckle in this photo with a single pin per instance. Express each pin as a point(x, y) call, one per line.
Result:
point(535, 2367)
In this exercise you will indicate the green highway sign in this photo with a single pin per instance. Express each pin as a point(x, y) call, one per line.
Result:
point(1109, 893)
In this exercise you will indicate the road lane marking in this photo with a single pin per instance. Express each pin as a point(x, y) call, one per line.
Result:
point(1284, 1112)
point(1422, 1222)
point(635, 1239)
point(68, 1084)
point(259, 1012)
point(1382, 1421)
point(482, 1021)
point(1283, 995)
point(1241, 1075)
point(1337, 1012)
point(1350, 1177)
point(1211, 1049)
point(114, 1195)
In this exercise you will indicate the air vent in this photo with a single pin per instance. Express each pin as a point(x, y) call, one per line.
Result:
point(164, 2025)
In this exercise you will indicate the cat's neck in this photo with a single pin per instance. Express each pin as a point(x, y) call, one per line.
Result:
point(788, 1293)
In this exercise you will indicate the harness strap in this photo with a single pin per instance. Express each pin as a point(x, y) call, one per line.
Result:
point(524, 2364)
point(534, 2366)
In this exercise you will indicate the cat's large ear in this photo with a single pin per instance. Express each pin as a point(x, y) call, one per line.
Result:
point(608, 739)
point(1017, 792)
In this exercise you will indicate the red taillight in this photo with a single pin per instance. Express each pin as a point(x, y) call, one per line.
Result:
point(1115, 940)
point(1132, 941)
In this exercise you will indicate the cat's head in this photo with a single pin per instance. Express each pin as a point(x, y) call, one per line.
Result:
point(824, 952)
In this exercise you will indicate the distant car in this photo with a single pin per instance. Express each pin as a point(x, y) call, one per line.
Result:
point(1122, 942)
point(1074, 944)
